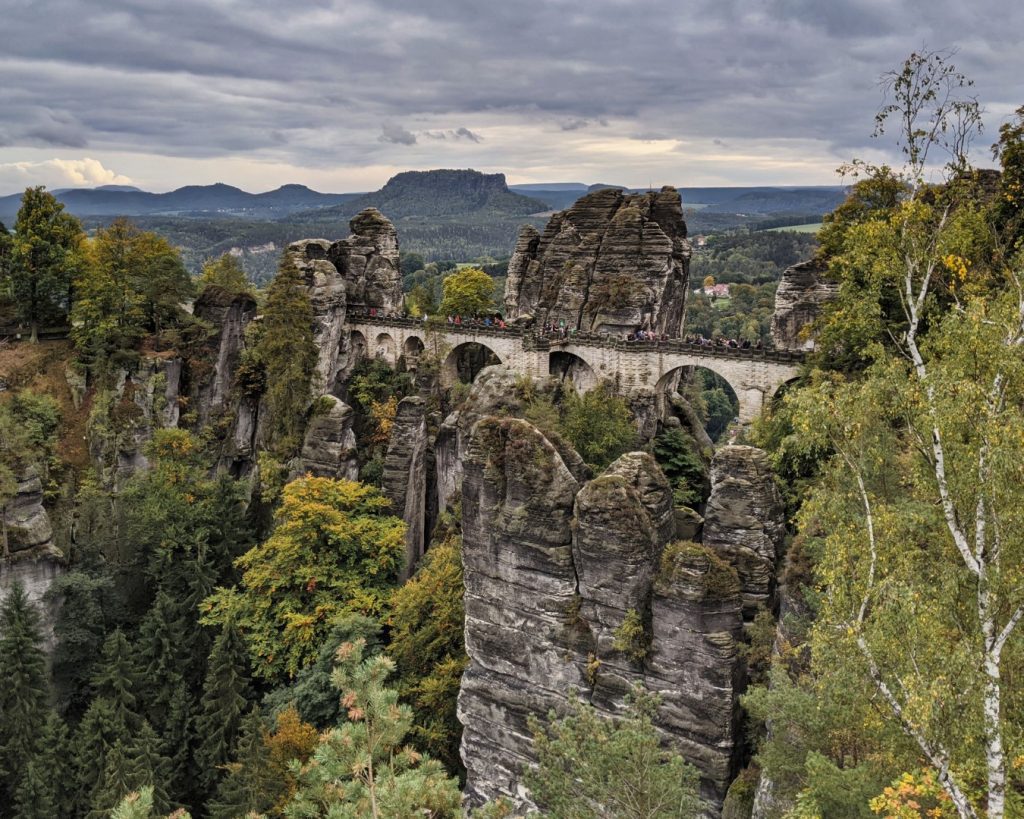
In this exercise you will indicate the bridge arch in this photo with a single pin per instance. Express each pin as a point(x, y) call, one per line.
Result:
point(384, 348)
point(464, 362)
point(570, 367)
point(725, 401)
point(413, 347)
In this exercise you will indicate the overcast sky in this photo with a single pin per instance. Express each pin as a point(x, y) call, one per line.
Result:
point(341, 94)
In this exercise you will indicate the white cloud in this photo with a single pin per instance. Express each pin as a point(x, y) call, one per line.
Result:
point(58, 173)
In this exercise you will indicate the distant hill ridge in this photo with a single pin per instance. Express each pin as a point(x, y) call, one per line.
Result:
point(204, 200)
point(437, 193)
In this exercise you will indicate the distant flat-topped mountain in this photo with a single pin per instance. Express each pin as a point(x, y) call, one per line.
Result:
point(192, 200)
point(439, 193)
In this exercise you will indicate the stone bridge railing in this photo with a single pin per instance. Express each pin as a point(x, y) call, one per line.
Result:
point(539, 341)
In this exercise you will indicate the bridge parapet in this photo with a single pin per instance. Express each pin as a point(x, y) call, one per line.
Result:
point(541, 341)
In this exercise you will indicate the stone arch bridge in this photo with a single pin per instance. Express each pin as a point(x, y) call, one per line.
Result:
point(633, 366)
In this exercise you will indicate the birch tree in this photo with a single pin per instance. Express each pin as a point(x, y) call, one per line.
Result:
point(922, 569)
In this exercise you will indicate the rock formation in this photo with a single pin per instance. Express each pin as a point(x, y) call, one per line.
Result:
point(554, 565)
point(405, 475)
point(745, 521)
point(612, 262)
point(357, 273)
point(329, 446)
point(228, 314)
point(802, 292)
point(123, 419)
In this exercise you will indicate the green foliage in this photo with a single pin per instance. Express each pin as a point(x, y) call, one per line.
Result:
point(677, 455)
point(248, 786)
point(468, 291)
point(132, 284)
point(589, 766)
point(696, 563)
point(632, 638)
point(287, 354)
point(334, 550)
point(361, 769)
point(23, 687)
point(599, 425)
point(43, 259)
point(226, 693)
point(428, 650)
point(312, 693)
point(45, 788)
point(225, 272)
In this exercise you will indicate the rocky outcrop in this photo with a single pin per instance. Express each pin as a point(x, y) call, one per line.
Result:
point(357, 273)
point(613, 262)
point(521, 587)
point(228, 314)
point(124, 417)
point(26, 524)
point(554, 567)
point(802, 293)
point(744, 521)
point(329, 446)
point(405, 475)
point(496, 391)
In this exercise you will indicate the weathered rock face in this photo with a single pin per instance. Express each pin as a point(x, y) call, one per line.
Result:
point(123, 419)
point(329, 447)
point(517, 500)
point(36, 574)
point(26, 522)
point(405, 475)
point(802, 292)
point(553, 567)
point(356, 273)
point(612, 262)
point(745, 521)
point(229, 314)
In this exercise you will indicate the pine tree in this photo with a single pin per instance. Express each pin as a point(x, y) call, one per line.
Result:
point(148, 767)
point(249, 784)
point(177, 741)
point(114, 784)
point(117, 680)
point(97, 733)
point(225, 696)
point(46, 788)
point(79, 632)
point(23, 688)
point(164, 651)
point(288, 355)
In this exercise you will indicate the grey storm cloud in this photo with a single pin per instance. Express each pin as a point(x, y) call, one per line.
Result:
point(311, 83)
point(397, 135)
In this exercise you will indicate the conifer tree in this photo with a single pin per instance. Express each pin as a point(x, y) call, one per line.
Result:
point(23, 685)
point(117, 681)
point(361, 768)
point(97, 733)
point(249, 785)
point(164, 653)
point(45, 789)
point(288, 355)
point(177, 744)
point(225, 696)
point(147, 766)
point(114, 783)
point(225, 271)
point(79, 630)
